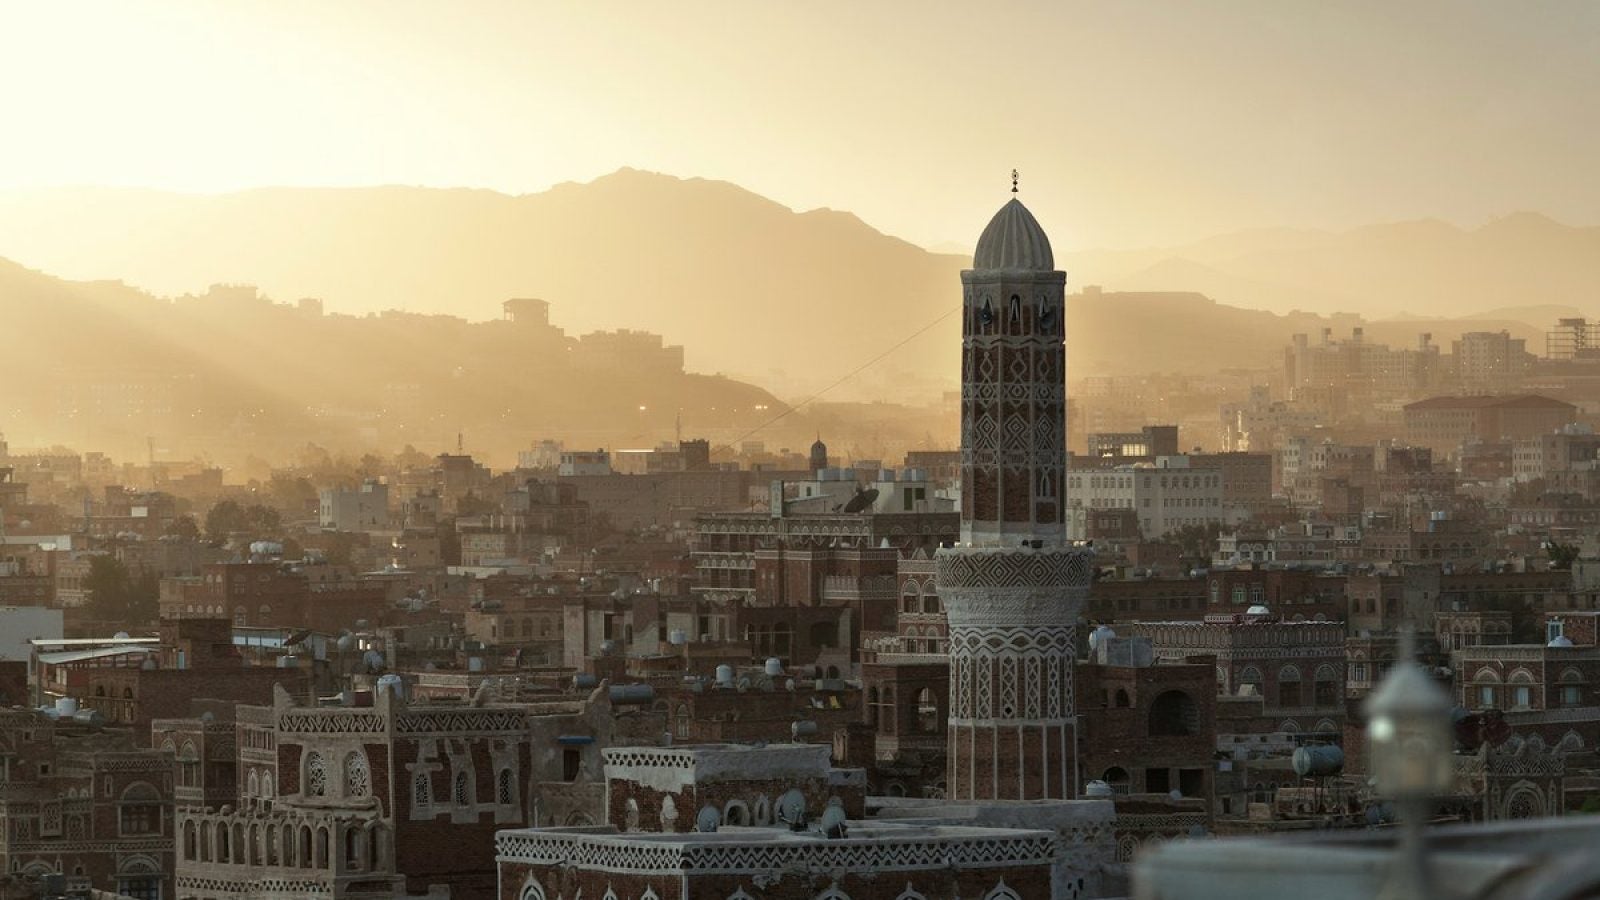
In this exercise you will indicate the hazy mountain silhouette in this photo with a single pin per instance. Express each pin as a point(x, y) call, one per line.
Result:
point(790, 300)
point(231, 373)
point(1425, 268)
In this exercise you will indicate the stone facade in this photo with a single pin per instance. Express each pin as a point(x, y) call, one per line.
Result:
point(81, 802)
point(357, 800)
point(873, 862)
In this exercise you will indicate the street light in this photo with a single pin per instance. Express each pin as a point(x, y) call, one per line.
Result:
point(1410, 743)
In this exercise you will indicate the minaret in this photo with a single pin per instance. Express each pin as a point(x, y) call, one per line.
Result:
point(1012, 588)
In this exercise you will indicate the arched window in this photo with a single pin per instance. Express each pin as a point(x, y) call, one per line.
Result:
point(531, 890)
point(1002, 892)
point(463, 794)
point(927, 712)
point(1117, 777)
point(139, 810)
point(1250, 682)
point(316, 775)
point(1326, 691)
point(357, 778)
point(736, 813)
point(505, 789)
point(254, 781)
point(1123, 700)
point(910, 599)
point(681, 730)
point(1289, 687)
point(1174, 713)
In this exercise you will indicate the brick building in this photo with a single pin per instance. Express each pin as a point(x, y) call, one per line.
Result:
point(194, 660)
point(1296, 668)
point(366, 799)
point(1148, 728)
point(79, 801)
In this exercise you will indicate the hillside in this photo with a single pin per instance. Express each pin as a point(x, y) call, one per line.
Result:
point(233, 374)
point(794, 300)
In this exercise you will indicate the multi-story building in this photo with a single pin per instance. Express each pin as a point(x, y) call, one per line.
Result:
point(1490, 362)
point(1297, 668)
point(366, 800)
point(364, 509)
point(80, 802)
point(1443, 423)
point(1170, 495)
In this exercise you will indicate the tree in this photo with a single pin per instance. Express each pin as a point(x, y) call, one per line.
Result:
point(116, 596)
point(1196, 543)
point(1562, 556)
point(228, 518)
point(184, 527)
point(224, 518)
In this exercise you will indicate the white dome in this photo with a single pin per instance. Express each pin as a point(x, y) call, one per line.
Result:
point(1561, 641)
point(1014, 240)
point(1257, 610)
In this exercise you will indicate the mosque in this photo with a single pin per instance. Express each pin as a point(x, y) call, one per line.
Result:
point(1011, 825)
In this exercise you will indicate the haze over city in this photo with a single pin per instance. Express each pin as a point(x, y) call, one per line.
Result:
point(534, 450)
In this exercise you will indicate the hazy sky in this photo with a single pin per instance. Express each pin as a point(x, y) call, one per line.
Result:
point(1133, 123)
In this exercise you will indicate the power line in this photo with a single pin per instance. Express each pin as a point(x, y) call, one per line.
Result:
point(840, 380)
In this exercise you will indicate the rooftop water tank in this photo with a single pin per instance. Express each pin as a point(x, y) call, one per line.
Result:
point(725, 676)
point(774, 666)
point(1317, 761)
point(632, 694)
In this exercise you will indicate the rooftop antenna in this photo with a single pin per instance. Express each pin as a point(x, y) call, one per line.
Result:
point(678, 426)
point(1013, 181)
point(460, 442)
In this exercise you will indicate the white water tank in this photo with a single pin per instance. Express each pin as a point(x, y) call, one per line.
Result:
point(774, 666)
point(725, 676)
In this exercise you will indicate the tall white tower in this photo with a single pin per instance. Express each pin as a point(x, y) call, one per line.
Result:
point(1013, 588)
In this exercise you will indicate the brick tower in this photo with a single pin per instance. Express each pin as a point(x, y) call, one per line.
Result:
point(1012, 588)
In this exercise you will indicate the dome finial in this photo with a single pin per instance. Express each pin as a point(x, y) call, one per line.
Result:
point(1013, 181)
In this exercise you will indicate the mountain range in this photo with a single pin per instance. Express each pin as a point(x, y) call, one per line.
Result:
point(795, 301)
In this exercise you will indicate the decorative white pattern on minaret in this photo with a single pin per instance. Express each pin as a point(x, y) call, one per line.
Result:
point(1013, 589)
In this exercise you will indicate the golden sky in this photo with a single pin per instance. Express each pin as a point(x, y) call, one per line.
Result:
point(1133, 123)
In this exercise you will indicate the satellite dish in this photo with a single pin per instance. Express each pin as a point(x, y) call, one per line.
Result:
point(708, 819)
point(862, 500)
point(791, 810)
point(833, 822)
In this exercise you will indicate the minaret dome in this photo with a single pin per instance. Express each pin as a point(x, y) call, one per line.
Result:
point(1014, 240)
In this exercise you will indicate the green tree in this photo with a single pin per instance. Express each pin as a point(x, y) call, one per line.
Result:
point(224, 518)
point(184, 527)
point(115, 595)
point(228, 518)
point(1562, 556)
